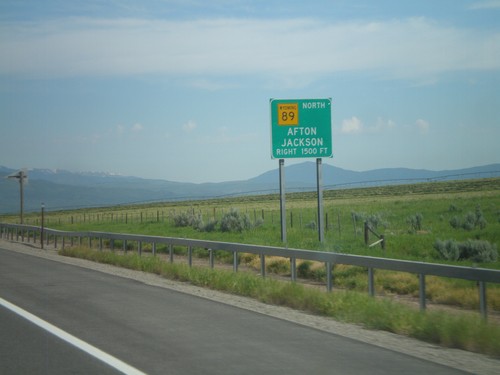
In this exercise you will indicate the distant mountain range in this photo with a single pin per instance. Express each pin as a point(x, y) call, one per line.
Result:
point(61, 189)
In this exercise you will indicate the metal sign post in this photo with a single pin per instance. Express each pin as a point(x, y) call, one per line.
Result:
point(319, 182)
point(282, 200)
point(42, 225)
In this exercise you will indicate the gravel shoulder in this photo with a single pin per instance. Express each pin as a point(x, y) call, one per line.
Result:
point(459, 359)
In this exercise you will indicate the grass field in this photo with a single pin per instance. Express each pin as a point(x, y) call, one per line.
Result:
point(411, 217)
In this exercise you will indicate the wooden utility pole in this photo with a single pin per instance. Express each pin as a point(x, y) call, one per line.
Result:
point(21, 176)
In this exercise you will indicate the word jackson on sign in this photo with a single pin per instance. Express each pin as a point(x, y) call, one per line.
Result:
point(301, 128)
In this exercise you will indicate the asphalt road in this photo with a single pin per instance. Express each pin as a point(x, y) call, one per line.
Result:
point(160, 331)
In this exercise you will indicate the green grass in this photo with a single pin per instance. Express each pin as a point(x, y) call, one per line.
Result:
point(457, 330)
point(438, 203)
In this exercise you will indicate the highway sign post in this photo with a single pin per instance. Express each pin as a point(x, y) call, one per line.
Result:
point(301, 128)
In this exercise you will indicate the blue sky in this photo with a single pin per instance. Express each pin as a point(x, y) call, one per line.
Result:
point(180, 89)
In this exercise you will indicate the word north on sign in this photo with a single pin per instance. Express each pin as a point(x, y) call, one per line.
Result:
point(301, 128)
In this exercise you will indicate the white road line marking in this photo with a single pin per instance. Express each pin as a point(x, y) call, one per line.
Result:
point(80, 344)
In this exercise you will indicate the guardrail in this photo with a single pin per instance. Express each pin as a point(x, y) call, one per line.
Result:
point(480, 275)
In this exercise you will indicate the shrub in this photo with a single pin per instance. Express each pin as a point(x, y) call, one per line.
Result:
point(447, 249)
point(415, 222)
point(278, 265)
point(475, 250)
point(373, 220)
point(211, 226)
point(479, 251)
point(182, 219)
point(304, 268)
point(187, 219)
point(471, 220)
point(455, 222)
point(234, 221)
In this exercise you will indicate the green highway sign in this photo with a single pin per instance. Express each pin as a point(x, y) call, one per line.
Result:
point(301, 128)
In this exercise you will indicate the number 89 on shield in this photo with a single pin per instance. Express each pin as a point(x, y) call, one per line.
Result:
point(288, 114)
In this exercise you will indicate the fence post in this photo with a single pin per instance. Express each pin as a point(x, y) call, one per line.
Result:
point(366, 233)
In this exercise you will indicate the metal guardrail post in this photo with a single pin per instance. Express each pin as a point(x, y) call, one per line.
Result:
point(421, 292)
point(293, 269)
point(371, 283)
point(153, 248)
point(329, 276)
point(262, 265)
point(170, 253)
point(211, 258)
point(235, 261)
point(483, 308)
point(190, 256)
point(139, 248)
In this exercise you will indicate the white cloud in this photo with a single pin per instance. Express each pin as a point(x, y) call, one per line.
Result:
point(189, 126)
point(351, 126)
point(383, 125)
point(301, 49)
point(137, 127)
point(491, 4)
point(423, 126)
